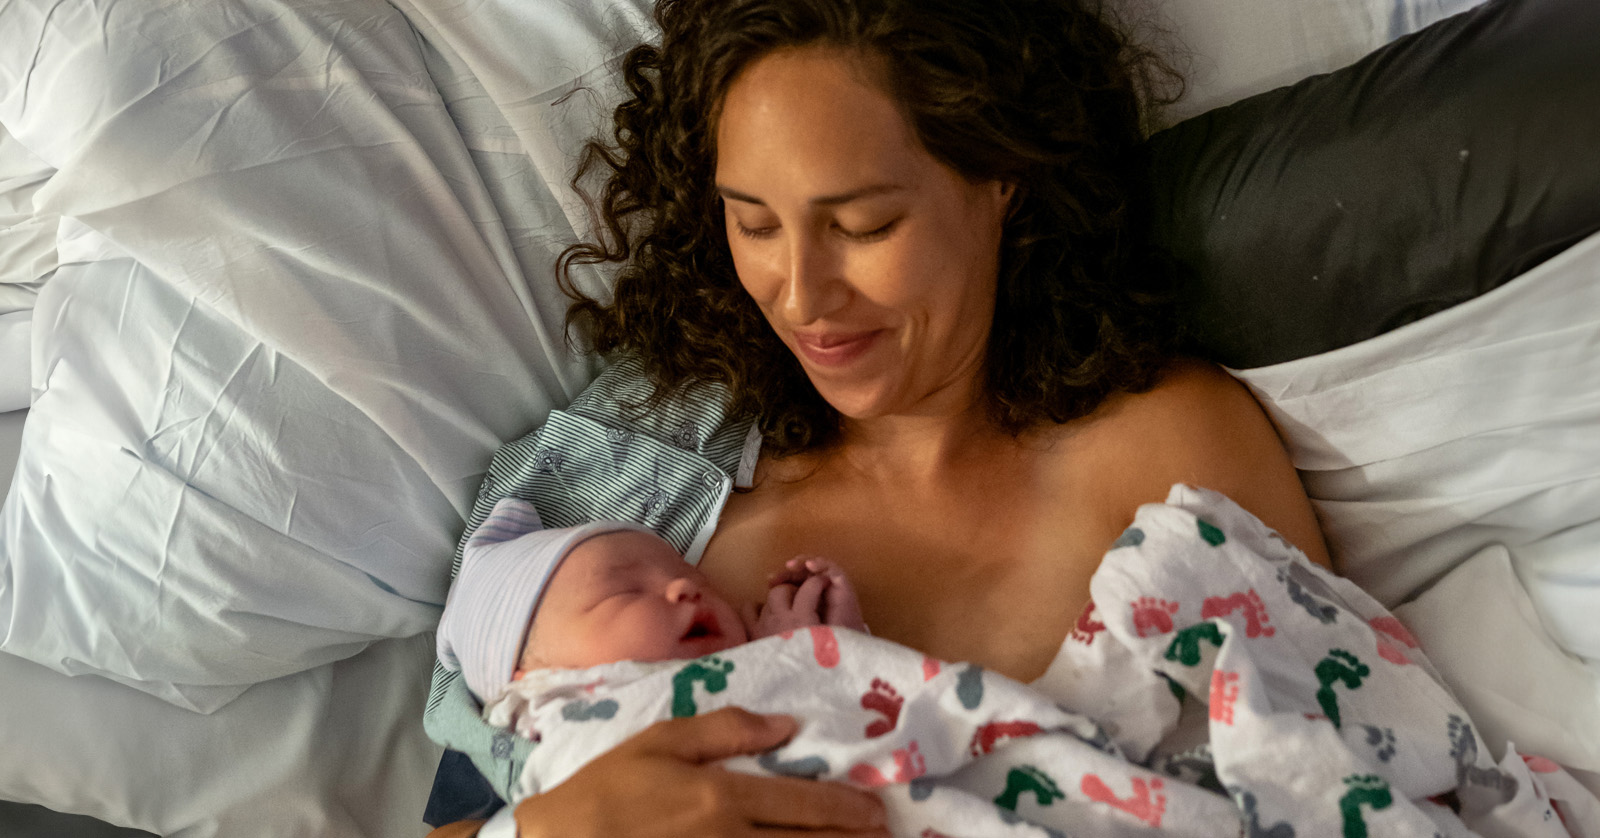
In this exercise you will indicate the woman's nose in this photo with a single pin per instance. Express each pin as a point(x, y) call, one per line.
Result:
point(683, 589)
point(814, 287)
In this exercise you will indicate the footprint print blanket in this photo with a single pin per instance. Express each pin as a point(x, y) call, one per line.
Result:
point(1218, 685)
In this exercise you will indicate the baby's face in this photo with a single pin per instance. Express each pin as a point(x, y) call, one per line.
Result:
point(629, 596)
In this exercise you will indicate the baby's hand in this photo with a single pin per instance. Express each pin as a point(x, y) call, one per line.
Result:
point(809, 591)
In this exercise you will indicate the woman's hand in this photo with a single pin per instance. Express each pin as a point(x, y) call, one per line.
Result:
point(664, 782)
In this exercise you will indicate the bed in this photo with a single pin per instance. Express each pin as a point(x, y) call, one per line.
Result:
point(276, 279)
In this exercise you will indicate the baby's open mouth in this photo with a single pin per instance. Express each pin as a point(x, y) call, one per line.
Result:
point(703, 625)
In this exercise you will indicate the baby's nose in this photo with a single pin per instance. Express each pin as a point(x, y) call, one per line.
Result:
point(683, 590)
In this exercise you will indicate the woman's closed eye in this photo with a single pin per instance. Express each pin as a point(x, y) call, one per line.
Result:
point(755, 233)
point(875, 234)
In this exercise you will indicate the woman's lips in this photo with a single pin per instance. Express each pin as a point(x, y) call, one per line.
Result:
point(835, 349)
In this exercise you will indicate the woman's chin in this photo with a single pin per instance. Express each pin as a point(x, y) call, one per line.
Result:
point(855, 402)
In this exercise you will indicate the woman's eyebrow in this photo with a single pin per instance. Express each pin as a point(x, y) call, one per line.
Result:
point(825, 200)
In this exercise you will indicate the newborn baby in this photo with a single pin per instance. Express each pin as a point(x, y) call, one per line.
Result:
point(577, 638)
point(529, 599)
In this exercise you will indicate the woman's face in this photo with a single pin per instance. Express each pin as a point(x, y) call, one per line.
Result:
point(875, 263)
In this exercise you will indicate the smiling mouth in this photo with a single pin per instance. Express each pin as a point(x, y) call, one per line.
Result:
point(837, 349)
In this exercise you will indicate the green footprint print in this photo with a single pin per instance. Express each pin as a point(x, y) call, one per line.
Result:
point(1365, 790)
point(1185, 648)
point(1026, 778)
point(1339, 667)
point(711, 671)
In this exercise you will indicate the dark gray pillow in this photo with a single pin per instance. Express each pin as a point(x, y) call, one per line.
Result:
point(1437, 168)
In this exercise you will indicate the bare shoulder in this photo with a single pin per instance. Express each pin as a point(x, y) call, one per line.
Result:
point(1200, 426)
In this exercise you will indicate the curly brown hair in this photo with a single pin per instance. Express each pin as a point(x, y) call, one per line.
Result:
point(1043, 94)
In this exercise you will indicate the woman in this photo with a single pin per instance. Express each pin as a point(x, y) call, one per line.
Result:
point(908, 237)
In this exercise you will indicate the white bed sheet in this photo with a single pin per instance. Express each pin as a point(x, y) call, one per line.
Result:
point(10, 446)
point(16, 333)
point(1518, 685)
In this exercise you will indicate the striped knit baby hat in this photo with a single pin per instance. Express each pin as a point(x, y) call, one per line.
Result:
point(505, 567)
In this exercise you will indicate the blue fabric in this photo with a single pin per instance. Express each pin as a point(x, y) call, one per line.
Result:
point(459, 793)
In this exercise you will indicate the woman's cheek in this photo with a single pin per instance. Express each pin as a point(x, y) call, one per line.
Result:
point(754, 263)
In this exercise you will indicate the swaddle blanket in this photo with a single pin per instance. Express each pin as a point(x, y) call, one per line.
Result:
point(1218, 685)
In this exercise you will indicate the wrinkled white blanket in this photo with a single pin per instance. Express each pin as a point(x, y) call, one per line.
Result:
point(1219, 682)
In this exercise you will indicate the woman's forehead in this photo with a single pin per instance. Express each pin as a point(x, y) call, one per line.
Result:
point(812, 120)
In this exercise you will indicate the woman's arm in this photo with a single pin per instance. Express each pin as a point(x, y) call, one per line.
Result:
point(1202, 427)
point(459, 829)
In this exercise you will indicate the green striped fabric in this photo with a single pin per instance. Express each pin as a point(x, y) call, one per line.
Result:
point(604, 457)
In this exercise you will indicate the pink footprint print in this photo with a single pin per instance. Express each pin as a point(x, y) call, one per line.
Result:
point(993, 733)
point(1146, 803)
point(908, 765)
point(1087, 626)
point(1152, 615)
point(824, 646)
point(1224, 693)
point(1540, 765)
point(1255, 613)
point(882, 699)
point(1393, 639)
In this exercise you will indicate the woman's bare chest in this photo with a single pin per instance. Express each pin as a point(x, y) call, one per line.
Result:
point(980, 573)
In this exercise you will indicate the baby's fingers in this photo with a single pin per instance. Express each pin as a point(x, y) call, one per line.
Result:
point(793, 573)
point(817, 564)
point(780, 598)
point(808, 598)
point(842, 606)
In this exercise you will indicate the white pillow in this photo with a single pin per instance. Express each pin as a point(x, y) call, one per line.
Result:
point(10, 445)
point(16, 336)
point(256, 439)
point(334, 752)
point(1472, 427)
point(1231, 49)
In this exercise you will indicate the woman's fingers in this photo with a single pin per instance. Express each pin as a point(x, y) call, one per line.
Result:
point(731, 731)
point(779, 803)
point(771, 805)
